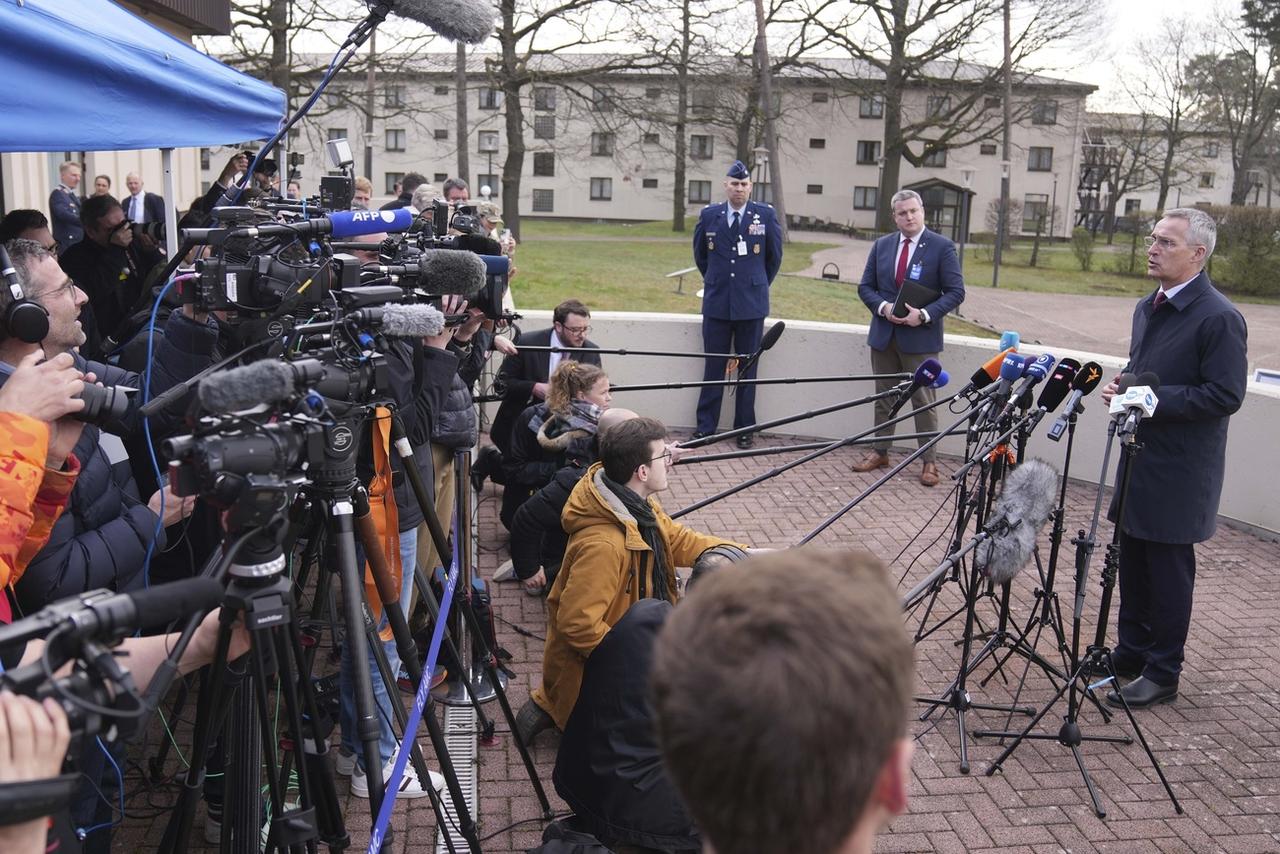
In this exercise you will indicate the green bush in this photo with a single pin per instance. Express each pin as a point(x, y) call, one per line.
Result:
point(1247, 257)
point(1082, 242)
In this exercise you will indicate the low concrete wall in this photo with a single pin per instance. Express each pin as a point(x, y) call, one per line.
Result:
point(820, 349)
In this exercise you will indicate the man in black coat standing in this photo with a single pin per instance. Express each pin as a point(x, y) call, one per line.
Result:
point(524, 375)
point(1194, 340)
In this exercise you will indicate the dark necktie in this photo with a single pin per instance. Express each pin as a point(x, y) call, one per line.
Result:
point(734, 224)
point(901, 276)
point(1160, 299)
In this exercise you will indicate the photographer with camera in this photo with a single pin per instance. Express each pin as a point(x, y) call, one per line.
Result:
point(111, 265)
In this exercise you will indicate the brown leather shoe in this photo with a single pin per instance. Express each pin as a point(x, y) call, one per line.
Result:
point(871, 461)
point(929, 474)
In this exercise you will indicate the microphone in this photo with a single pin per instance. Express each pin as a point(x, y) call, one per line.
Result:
point(405, 321)
point(268, 381)
point(1035, 371)
point(339, 225)
point(1059, 385)
point(1085, 381)
point(1010, 340)
point(456, 20)
point(988, 373)
point(1137, 402)
point(929, 372)
point(766, 343)
point(105, 615)
point(446, 271)
point(1024, 505)
point(942, 380)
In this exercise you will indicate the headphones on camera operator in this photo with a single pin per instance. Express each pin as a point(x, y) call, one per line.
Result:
point(24, 318)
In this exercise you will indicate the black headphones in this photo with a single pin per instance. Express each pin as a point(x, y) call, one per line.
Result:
point(24, 319)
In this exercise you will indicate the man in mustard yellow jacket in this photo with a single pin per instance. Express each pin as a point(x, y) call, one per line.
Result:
point(622, 548)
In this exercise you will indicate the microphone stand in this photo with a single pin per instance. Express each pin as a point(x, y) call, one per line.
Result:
point(804, 446)
point(1097, 657)
point(820, 452)
point(768, 381)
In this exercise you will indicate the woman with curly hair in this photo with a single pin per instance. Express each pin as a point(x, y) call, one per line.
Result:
point(547, 433)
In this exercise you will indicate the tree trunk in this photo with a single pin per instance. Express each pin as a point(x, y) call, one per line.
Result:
point(513, 113)
point(891, 155)
point(1035, 246)
point(682, 119)
point(278, 16)
point(370, 95)
point(460, 83)
point(770, 130)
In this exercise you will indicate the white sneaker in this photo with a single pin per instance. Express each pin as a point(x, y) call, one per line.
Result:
point(505, 571)
point(410, 788)
point(344, 762)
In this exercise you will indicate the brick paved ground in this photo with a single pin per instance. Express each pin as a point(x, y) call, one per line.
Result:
point(1219, 743)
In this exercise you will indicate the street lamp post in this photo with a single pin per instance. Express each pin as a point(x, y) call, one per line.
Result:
point(967, 175)
point(1053, 210)
point(1001, 222)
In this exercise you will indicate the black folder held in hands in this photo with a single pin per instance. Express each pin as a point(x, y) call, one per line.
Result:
point(913, 294)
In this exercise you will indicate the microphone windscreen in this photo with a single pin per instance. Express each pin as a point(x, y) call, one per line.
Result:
point(1010, 340)
point(411, 321)
point(1126, 382)
point(356, 223)
point(1024, 505)
point(452, 271)
point(927, 372)
point(1059, 385)
point(162, 604)
point(942, 380)
point(1149, 379)
point(267, 381)
point(457, 20)
point(1040, 366)
point(771, 337)
point(989, 372)
point(479, 244)
point(1088, 377)
point(1012, 367)
point(495, 265)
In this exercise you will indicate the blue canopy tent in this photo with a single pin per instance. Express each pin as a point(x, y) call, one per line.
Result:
point(86, 75)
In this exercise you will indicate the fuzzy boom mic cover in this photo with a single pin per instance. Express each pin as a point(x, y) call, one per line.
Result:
point(1025, 504)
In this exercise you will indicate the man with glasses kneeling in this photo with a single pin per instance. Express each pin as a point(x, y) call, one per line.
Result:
point(622, 548)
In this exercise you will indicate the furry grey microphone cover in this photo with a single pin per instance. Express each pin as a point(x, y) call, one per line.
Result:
point(267, 381)
point(469, 21)
point(452, 271)
point(411, 321)
point(1024, 505)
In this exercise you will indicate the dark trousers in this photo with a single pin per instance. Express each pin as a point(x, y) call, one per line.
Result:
point(1156, 585)
point(891, 360)
point(728, 336)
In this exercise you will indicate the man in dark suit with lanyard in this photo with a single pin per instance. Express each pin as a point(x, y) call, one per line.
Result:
point(901, 344)
point(737, 246)
point(1194, 340)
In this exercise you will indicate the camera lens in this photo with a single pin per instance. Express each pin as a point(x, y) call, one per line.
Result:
point(103, 404)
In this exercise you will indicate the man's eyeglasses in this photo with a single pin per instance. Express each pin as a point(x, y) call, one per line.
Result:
point(68, 285)
point(577, 330)
point(665, 455)
point(1162, 242)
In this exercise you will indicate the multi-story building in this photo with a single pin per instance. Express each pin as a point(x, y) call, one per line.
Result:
point(604, 149)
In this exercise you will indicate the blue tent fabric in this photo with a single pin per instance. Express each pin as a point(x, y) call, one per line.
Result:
point(87, 75)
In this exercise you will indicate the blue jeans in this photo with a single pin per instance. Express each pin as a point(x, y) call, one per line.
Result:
point(346, 680)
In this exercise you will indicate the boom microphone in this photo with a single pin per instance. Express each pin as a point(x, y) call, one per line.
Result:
point(456, 20)
point(1084, 382)
point(268, 381)
point(411, 321)
point(105, 615)
point(446, 271)
point(1025, 504)
point(926, 375)
point(339, 225)
point(989, 372)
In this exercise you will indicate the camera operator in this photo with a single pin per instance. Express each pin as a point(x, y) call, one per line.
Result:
point(456, 190)
point(111, 266)
point(408, 184)
point(103, 540)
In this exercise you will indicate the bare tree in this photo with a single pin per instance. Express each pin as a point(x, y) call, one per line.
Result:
point(1238, 95)
point(1163, 93)
point(1135, 147)
point(896, 45)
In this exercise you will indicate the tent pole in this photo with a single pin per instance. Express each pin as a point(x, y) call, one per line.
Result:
point(170, 203)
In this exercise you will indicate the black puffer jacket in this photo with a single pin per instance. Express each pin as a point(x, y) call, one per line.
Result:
point(102, 537)
point(420, 378)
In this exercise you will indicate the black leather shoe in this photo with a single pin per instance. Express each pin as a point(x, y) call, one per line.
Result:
point(745, 441)
point(698, 434)
point(1124, 670)
point(1141, 693)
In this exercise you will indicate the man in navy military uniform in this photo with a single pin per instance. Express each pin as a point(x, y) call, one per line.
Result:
point(901, 344)
point(1194, 340)
point(737, 246)
point(64, 206)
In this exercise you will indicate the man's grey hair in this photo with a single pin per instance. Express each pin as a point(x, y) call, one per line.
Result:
point(454, 184)
point(25, 255)
point(1201, 228)
point(423, 196)
point(904, 195)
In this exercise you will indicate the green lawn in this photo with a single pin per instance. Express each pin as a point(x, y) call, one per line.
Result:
point(1058, 271)
point(610, 272)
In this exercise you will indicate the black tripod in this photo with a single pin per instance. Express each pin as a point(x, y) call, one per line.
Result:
point(1097, 658)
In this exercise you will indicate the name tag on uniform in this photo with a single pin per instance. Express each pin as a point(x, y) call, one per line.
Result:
point(917, 270)
point(742, 246)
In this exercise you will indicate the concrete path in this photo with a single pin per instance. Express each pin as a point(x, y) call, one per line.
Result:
point(1093, 324)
